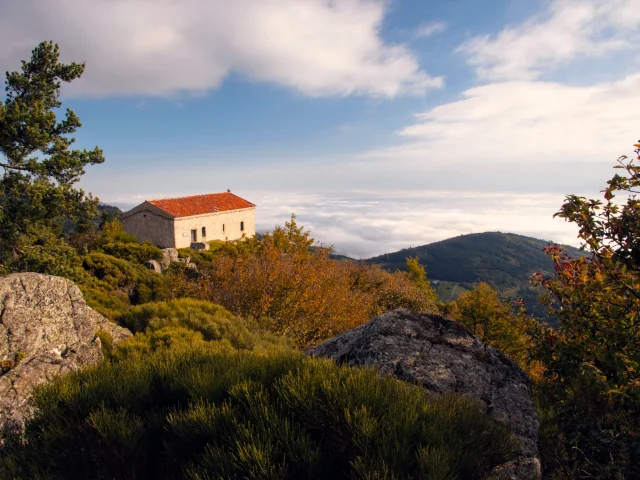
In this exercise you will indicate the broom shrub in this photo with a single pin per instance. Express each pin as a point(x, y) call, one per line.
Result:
point(205, 410)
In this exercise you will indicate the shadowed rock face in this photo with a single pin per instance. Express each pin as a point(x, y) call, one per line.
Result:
point(46, 329)
point(442, 356)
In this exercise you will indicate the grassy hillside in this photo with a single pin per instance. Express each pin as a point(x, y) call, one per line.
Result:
point(503, 260)
point(448, 290)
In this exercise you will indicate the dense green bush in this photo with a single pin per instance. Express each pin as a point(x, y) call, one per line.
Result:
point(42, 251)
point(105, 264)
point(209, 411)
point(202, 258)
point(111, 231)
point(112, 276)
point(113, 284)
point(142, 285)
point(211, 322)
point(104, 298)
point(133, 252)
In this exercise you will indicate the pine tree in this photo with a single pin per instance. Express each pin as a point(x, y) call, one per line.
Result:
point(38, 168)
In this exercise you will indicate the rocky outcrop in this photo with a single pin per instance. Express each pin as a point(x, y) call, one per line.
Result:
point(153, 265)
point(442, 356)
point(46, 329)
point(169, 255)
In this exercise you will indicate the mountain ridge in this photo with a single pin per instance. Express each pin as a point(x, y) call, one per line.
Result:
point(503, 260)
point(397, 259)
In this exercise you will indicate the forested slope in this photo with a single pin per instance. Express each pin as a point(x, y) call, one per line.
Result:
point(503, 260)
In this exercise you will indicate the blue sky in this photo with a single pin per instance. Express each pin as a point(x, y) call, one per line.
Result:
point(382, 124)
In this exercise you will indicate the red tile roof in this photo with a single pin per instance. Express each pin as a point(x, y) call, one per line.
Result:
point(201, 204)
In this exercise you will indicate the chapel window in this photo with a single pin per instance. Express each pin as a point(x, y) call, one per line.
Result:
point(204, 232)
point(242, 226)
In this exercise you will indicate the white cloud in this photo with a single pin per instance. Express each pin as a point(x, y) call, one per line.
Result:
point(522, 122)
point(430, 29)
point(164, 47)
point(567, 30)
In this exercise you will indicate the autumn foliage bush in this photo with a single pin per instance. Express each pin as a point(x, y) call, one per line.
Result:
point(590, 391)
point(497, 322)
point(300, 293)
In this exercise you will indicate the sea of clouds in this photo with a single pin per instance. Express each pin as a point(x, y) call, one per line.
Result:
point(363, 224)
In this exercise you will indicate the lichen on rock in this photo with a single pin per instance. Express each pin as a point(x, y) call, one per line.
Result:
point(46, 329)
point(442, 356)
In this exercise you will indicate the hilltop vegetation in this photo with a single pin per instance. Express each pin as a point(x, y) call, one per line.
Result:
point(300, 293)
point(505, 261)
point(222, 401)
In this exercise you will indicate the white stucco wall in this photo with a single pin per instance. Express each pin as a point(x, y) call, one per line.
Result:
point(213, 223)
point(147, 222)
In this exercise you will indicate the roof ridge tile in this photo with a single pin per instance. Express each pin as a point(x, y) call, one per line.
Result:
point(201, 204)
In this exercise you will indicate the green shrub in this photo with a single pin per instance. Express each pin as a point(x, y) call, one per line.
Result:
point(113, 232)
point(211, 322)
point(106, 342)
point(204, 412)
point(202, 258)
point(216, 245)
point(143, 344)
point(111, 285)
point(104, 298)
point(110, 232)
point(133, 252)
point(140, 284)
point(42, 251)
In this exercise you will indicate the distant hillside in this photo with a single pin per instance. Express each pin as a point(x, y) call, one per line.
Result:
point(104, 211)
point(332, 254)
point(109, 210)
point(503, 260)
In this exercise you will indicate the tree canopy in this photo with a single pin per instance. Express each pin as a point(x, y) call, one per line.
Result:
point(38, 167)
point(497, 322)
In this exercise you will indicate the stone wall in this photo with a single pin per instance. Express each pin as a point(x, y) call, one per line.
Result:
point(147, 222)
point(213, 225)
